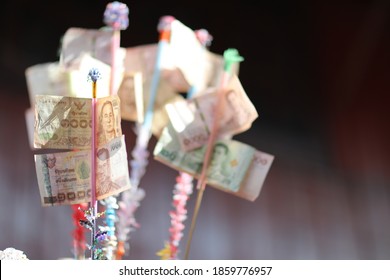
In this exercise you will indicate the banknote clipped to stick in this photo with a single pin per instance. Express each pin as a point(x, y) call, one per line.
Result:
point(97, 43)
point(235, 167)
point(131, 111)
point(199, 66)
point(65, 122)
point(53, 79)
point(193, 119)
point(141, 60)
point(186, 62)
point(65, 178)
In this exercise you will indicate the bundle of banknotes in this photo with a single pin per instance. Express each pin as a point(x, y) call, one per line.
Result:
point(235, 167)
point(60, 113)
point(64, 124)
point(187, 63)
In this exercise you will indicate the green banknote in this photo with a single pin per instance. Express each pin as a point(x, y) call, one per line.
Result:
point(228, 167)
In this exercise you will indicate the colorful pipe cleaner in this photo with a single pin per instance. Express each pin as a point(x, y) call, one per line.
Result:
point(184, 187)
point(110, 244)
point(98, 238)
point(126, 221)
point(182, 191)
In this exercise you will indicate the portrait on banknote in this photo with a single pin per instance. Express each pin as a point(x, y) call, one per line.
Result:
point(218, 169)
point(104, 184)
point(51, 161)
point(192, 161)
point(127, 95)
point(65, 122)
point(107, 123)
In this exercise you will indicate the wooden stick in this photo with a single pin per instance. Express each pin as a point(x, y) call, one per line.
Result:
point(230, 56)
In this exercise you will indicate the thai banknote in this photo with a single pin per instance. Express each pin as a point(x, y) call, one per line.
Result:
point(229, 163)
point(134, 102)
point(200, 67)
point(95, 42)
point(235, 167)
point(142, 59)
point(193, 119)
point(257, 173)
point(47, 79)
point(53, 79)
point(66, 122)
point(132, 97)
point(185, 66)
point(140, 62)
point(65, 178)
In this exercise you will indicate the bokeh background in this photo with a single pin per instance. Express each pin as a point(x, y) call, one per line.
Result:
point(317, 72)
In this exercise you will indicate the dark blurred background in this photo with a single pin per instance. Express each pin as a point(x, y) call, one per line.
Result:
point(317, 72)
